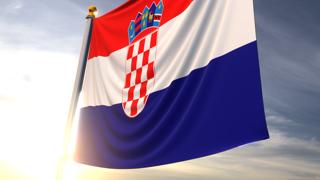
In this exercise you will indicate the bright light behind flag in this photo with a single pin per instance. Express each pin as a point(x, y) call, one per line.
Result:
point(35, 94)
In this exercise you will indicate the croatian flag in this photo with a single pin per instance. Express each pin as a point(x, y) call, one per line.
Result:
point(168, 81)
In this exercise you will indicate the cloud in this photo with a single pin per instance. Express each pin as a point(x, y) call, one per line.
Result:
point(42, 25)
point(289, 59)
point(13, 7)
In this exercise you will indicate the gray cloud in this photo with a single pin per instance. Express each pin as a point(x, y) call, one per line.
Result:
point(45, 25)
point(288, 44)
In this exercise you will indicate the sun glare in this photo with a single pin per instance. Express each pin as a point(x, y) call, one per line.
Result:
point(34, 98)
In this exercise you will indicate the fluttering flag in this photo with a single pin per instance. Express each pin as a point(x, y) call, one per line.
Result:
point(168, 81)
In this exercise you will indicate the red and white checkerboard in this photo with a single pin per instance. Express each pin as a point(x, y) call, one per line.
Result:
point(140, 74)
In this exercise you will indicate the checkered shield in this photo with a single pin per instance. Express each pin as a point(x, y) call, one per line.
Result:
point(140, 74)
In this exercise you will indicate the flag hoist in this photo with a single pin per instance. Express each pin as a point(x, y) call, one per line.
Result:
point(92, 13)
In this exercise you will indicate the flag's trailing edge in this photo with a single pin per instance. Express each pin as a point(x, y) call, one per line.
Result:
point(169, 81)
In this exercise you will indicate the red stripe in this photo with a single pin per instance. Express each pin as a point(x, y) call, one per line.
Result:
point(134, 107)
point(128, 79)
point(153, 39)
point(138, 75)
point(143, 89)
point(150, 72)
point(131, 93)
point(145, 99)
point(110, 31)
point(134, 63)
point(125, 104)
point(130, 51)
point(157, 17)
point(143, 34)
point(138, 27)
point(145, 58)
point(139, 19)
point(141, 46)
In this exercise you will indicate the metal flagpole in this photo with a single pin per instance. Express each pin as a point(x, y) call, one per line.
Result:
point(76, 90)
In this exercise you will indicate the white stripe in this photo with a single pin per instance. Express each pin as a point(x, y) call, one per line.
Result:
point(152, 54)
point(139, 61)
point(135, 49)
point(225, 26)
point(125, 94)
point(128, 107)
point(136, 92)
point(140, 105)
point(104, 75)
point(133, 78)
point(128, 66)
point(144, 73)
point(150, 86)
point(147, 42)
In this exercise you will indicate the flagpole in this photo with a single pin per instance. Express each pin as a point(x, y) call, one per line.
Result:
point(76, 90)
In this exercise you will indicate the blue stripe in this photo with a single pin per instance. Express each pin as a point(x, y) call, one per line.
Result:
point(156, 23)
point(213, 109)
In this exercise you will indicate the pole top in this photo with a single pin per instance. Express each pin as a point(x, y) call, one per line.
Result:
point(92, 12)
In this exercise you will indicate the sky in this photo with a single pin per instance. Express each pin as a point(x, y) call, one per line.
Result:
point(39, 47)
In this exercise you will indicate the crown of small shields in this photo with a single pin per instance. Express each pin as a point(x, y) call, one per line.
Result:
point(150, 17)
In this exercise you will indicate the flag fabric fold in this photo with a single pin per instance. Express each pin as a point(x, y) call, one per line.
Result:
point(168, 81)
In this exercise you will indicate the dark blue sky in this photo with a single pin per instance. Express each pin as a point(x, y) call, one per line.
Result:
point(288, 34)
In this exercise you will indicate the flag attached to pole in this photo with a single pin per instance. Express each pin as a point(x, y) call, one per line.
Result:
point(168, 81)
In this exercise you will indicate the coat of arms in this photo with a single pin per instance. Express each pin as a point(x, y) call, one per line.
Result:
point(141, 57)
